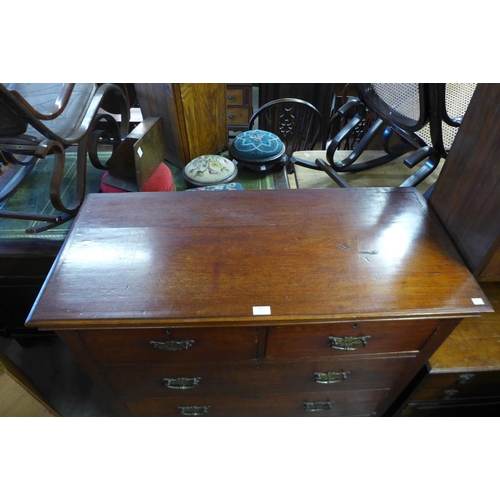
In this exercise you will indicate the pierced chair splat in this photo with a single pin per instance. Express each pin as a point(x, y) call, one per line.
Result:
point(295, 121)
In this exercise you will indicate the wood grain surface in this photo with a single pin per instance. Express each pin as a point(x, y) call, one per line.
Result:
point(195, 258)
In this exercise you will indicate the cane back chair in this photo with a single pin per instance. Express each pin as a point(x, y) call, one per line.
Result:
point(420, 119)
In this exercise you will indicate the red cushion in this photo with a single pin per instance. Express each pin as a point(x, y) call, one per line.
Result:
point(161, 180)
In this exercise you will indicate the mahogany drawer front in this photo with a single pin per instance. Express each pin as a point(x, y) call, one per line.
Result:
point(451, 386)
point(255, 378)
point(176, 345)
point(363, 338)
point(236, 96)
point(237, 116)
point(170, 381)
point(339, 404)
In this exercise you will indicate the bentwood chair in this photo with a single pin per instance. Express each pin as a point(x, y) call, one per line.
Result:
point(40, 119)
point(295, 121)
point(410, 117)
point(431, 111)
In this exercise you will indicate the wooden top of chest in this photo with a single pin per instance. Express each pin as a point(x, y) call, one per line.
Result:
point(207, 258)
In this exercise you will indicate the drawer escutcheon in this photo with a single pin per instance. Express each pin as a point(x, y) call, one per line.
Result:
point(330, 377)
point(182, 383)
point(348, 343)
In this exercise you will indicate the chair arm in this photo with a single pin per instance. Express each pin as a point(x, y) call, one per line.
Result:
point(92, 112)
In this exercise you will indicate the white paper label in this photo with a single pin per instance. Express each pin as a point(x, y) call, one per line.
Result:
point(261, 310)
point(478, 302)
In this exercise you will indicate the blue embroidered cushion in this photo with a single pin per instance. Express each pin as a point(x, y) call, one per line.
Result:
point(207, 170)
point(257, 146)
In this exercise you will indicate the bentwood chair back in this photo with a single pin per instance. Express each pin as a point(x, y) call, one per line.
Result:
point(41, 119)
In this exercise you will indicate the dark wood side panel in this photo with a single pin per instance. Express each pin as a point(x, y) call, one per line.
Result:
point(72, 340)
point(491, 271)
point(465, 196)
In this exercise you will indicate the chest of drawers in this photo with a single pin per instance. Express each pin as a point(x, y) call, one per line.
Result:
point(462, 378)
point(239, 106)
point(256, 303)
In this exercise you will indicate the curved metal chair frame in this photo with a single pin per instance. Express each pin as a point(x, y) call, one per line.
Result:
point(295, 121)
point(28, 134)
point(394, 126)
point(415, 117)
point(426, 156)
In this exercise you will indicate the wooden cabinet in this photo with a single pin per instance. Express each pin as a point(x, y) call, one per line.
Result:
point(468, 394)
point(463, 377)
point(256, 303)
point(239, 106)
point(194, 117)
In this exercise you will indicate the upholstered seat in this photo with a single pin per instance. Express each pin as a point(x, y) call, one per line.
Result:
point(257, 149)
point(207, 170)
point(160, 180)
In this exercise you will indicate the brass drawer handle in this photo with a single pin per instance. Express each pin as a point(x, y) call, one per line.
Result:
point(317, 406)
point(330, 377)
point(181, 383)
point(172, 345)
point(194, 411)
point(449, 393)
point(348, 343)
point(463, 378)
